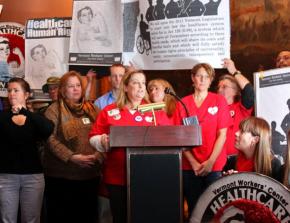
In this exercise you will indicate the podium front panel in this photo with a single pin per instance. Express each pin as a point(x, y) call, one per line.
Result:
point(154, 185)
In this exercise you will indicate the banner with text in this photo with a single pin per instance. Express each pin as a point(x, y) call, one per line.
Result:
point(46, 51)
point(272, 89)
point(155, 35)
point(179, 34)
point(243, 197)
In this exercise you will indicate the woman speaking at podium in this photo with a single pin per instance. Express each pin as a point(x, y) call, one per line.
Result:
point(202, 165)
point(121, 113)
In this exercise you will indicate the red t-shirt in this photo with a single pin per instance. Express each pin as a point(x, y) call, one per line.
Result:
point(163, 119)
point(243, 164)
point(238, 112)
point(213, 114)
point(115, 164)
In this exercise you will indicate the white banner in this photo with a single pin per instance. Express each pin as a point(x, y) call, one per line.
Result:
point(182, 33)
point(155, 35)
point(46, 49)
point(97, 36)
point(272, 89)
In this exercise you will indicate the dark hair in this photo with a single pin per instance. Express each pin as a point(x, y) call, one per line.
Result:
point(80, 12)
point(23, 83)
point(37, 46)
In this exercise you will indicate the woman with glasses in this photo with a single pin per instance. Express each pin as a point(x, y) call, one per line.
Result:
point(203, 164)
point(239, 94)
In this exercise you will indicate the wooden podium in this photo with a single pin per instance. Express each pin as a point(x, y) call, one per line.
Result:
point(154, 174)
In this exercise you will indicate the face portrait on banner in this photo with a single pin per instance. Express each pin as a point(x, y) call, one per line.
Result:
point(12, 62)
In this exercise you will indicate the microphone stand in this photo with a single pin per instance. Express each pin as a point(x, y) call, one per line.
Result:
point(188, 120)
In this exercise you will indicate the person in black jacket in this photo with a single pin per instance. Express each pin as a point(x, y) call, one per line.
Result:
point(253, 142)
point(21, 175)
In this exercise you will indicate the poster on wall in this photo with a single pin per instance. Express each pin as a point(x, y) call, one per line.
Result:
point(272, 89)
point(12, 62)
point(97, 36)
point(155, 35)
point(46, 49)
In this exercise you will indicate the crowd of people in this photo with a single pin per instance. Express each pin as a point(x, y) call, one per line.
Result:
point(76, 160)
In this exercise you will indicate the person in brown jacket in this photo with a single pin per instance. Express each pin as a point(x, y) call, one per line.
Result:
point(71, 164)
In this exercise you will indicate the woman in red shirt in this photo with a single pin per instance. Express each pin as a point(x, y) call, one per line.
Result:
point(203, 164)
point(253, 141)
point(121, 113)
point(156, 88)
point(239, 94)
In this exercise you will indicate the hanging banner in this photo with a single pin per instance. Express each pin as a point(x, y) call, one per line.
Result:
point(243, 197)
point(272, 89)
point(12, 60)
point(46, 49)
point(178, 34)
point(155, 35)
point(97, 36)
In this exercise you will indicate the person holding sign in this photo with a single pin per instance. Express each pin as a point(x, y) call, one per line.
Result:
point(202, 165)
point(239, 94)
point(253, 141)
point(283, 59)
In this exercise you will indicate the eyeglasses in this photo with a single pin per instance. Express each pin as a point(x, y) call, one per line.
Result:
point(224, 87)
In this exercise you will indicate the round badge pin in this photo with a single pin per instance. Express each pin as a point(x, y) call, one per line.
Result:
point(117, 117)
point(148, 119)
point(138, 118)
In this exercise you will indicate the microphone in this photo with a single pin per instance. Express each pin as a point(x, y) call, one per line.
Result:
point(188, 120)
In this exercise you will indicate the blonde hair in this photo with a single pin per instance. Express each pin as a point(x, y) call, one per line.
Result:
point(287, 163)
point(262, 155)
point(122, 98)
point(169, 100)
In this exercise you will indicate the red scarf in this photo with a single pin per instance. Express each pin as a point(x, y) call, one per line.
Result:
point(243, 164)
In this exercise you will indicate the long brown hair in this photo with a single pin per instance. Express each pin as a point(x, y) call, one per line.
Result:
point(262, 155)
point(287, 163)
point(122, 99)
point(169, 100)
